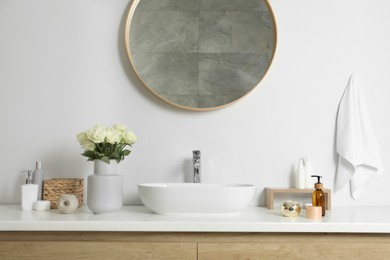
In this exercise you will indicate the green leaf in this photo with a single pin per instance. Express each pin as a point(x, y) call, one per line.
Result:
point(106, 152)
point(89, 154)
point(105, 159)
point(126, 152)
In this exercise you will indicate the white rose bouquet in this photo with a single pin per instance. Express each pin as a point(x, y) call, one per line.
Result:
point(106, 143)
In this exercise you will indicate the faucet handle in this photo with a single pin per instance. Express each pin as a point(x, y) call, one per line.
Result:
point(196, 162)
point(196, 154)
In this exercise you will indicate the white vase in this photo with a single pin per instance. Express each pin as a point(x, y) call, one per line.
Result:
point(105, 188)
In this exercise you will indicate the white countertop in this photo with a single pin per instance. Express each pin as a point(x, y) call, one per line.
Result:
point(253, 219)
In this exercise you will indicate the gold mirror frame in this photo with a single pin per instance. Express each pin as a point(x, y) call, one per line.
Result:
point(129, 19)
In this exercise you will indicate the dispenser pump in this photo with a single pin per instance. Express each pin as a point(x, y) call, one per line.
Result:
point(29, 176)
point(318, 185)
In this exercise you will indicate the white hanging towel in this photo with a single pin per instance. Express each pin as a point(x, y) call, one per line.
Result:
point(358, 149)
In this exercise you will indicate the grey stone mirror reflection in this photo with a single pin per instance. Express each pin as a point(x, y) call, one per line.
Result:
point(200, 54)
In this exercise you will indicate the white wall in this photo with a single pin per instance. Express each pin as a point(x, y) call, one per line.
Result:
point(63, 68)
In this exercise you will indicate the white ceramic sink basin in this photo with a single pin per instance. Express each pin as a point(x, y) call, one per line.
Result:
point(196, 198)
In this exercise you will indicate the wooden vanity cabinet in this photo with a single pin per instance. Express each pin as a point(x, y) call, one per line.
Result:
point(182, 246)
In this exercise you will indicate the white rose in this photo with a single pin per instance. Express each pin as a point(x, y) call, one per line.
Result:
point(82, 138)
point(90, 146)
point(120, 127)
point(129, 137)
point(85, 142)
point(97, 134)
point(113, 136)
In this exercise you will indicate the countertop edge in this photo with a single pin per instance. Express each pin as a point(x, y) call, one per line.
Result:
point(140, 219)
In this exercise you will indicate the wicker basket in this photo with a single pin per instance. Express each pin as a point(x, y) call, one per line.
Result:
point(53, 188)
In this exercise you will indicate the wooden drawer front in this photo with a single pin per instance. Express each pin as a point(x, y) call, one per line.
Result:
point(305, 251)
point(43, 250)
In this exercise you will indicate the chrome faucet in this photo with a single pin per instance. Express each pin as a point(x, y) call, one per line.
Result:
point(196, 163)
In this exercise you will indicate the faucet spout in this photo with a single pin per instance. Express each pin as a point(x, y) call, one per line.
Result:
point(196, 164)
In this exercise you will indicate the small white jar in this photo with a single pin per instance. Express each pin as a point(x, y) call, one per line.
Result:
point(41, 205)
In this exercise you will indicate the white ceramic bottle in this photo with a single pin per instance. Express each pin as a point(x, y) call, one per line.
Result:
point(300, 175)
point(37, 178)
point(308, 173)
point(29, 192)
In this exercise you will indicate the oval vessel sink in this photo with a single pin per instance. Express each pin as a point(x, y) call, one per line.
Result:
point(196, 198)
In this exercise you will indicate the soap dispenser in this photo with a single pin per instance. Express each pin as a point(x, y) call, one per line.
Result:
point(29, 192)
point(318, 198)
point(38, 177)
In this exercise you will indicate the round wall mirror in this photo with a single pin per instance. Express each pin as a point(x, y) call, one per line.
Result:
point(200, 54)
